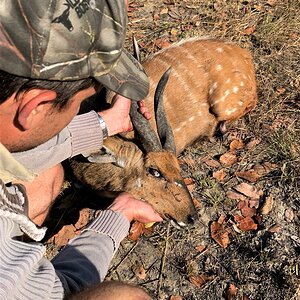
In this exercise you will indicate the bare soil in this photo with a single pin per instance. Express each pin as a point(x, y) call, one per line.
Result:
point(256, 262)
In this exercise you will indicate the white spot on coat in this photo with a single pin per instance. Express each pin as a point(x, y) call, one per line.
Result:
point(235, 89)
point(219, 67)
point(213, 87)
point(228, 112)
point(191, 119)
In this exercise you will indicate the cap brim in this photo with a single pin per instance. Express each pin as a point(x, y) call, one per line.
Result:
point(127, 78)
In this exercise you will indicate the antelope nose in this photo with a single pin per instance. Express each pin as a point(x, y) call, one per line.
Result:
point(192, 218)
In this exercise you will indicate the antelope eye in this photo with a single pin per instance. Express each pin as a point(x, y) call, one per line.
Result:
point(154, 172)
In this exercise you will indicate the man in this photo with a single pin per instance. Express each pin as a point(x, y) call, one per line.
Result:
point(54, 54)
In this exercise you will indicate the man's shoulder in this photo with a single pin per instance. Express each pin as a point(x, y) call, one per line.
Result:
point(11, 169)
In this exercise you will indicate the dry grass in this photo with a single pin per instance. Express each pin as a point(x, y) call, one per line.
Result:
point(261, 264)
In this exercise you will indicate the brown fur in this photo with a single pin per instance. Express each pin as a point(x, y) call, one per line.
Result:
point(211, 81)
point(197, 84)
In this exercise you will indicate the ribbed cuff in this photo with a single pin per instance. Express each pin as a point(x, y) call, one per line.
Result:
point(113, 224)
point(86, 133)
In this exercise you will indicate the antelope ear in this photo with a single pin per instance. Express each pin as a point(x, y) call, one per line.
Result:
point(106, 156)
point(102, 157)
point(126, 152)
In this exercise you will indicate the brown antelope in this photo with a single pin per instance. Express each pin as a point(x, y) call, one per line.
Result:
point(211, 82)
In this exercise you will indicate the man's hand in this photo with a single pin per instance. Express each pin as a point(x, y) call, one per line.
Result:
point(143, 109)
point(117, 117)
point(134, 209)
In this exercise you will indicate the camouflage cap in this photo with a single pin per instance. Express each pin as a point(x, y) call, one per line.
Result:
point(70, 40)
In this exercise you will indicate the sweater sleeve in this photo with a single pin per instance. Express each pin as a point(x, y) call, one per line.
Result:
point(82, 135)
point(86, 258)
point(27, 274)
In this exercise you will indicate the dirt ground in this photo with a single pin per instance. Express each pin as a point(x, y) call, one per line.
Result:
point(219, 257)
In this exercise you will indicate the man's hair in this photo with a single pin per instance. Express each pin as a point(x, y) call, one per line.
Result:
point(10, 84)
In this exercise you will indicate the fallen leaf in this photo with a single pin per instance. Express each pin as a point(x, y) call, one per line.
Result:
point(139, 270)
point(245, 208)
point(265, 168)
point(191, 187)
point(148, 225)
point(219, 234)
point(248, 211)
point(196, 203)
point(235, 196)
point(175, 297)
point(267, 205)
point(245, 223)
point(280, 91)
point(228, 159)
point(189, 162)
point(274, 228)
point(219, 175)
point(136, 230)
point(248, 190)
point(230, 292)
point(236, 144)
point(242, 204)
point(289, 214)
point(162, 43)
point(211, 162)
point(249, 30)
point(200, 248)
point(164, 11)
point(156, 17)
point(222, 219)
point(190, 183)
point(272, 2)
point(188, 180)
point(253, 203)
point(66, 233)
point(253, 143)
point(200, 279)
point(84, 217)
point(250, 175)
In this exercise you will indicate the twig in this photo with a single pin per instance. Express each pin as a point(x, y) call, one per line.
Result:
point(122, 260)
point(163, 262)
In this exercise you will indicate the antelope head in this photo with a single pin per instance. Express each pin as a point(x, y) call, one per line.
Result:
point(162, 185)
point(151, 173)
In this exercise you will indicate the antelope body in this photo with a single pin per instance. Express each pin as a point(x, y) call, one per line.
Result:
point(211, 81)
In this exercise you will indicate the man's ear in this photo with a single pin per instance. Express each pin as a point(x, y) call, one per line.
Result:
point(31, 104)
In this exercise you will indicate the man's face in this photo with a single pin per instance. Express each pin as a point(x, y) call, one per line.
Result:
point(51, 122)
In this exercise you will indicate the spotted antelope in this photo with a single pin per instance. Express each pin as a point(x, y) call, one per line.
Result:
point(210, 82)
